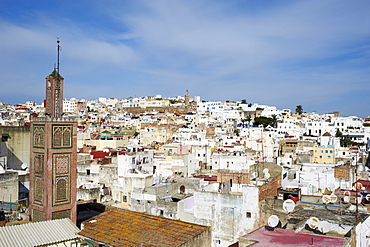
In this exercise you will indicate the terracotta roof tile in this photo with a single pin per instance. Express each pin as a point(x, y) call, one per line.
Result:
point(120, 227)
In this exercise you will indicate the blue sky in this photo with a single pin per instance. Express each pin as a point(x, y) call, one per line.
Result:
point(314, 53)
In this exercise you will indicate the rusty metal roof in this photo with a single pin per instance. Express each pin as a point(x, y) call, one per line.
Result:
point(120, 227)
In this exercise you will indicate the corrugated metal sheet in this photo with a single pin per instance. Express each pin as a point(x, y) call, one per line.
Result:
point(119, 227)
point(38, 233)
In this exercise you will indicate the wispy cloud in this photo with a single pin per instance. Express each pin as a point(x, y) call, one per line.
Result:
point(285, 53)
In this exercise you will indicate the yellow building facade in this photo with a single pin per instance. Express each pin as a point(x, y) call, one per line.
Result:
point(323, 154)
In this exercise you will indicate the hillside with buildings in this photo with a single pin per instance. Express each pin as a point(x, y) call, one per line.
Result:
point(220, 173)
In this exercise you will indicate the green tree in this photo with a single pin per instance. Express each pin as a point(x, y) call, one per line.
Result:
point(265, 121)
point(338, 133)
point(274, 120)
point(299, 109)
point(244, 101)
point(248, 119)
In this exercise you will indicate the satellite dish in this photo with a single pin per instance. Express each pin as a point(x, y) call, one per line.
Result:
point(333, 198)
point(288, 205)
point(267, 175)
point(347, 193)
point(273, 220)
point(325, 199)
point(324, 226)
point(265, 170)
point(358, 186)
point(346, 199)
point(331, 187)
point(24, 166)
point(367, 197)
point(254, 175)
point(313, 222)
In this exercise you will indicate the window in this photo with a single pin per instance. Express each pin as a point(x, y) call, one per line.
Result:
point(87, 171)
point(249, 215)
point(124, 198)
point(329, 157)
point(331, 151)
point(4, 137)
point(326, 151)
point(320, 157)
point(182, 189)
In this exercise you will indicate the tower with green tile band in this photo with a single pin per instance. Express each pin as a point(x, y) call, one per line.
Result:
point(53, 173)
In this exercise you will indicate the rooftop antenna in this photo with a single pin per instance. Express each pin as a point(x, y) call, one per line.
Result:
point(59, 48)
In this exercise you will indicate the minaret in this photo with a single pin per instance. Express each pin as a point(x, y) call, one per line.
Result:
point(54, 91)
point(187, 98)
point(53, 172)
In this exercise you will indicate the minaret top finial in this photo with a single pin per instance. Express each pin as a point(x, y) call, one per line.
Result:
point(58, 42)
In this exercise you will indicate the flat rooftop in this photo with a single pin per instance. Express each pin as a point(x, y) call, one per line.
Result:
point(285, 238)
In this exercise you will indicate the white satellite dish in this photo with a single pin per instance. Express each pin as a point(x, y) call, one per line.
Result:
point(267, 175)
point(273, 220)
point(24, 166)
point(347, 193)
point(266, 170)
point(331, 187)
point(313, 222)
point(288, 205)
point(340, 163)
point(324, 226)
point(254, 175)
point(359, 186)
point(367, 197)
point(346, 199)
point(325, 199)
point(333, 198)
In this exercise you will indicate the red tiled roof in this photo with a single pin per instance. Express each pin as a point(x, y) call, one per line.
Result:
point(365, 183)
point(120, 227)
point(207, 177)
point(99, 154)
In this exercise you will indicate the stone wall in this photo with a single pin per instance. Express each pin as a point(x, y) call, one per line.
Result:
point(204, 239)
point(17, 146)
point(9, 186)
point(88, 194)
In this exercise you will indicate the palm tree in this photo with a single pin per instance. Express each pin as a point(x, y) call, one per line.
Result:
point(299, 109)
point(248, 118)
point(274, 121)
